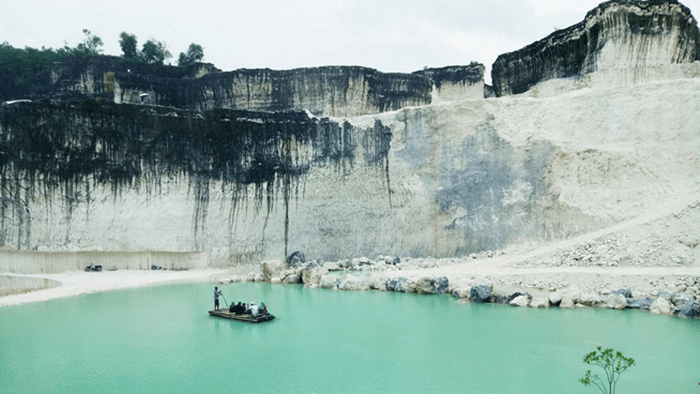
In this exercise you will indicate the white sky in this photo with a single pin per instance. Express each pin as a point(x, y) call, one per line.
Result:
point(389, 35)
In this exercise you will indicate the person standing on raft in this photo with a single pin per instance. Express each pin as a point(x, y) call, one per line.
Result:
point(217, 293)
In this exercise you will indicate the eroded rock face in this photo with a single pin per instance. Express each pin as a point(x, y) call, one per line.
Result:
point(456, 82)
point(616, 34)
point(325, 91)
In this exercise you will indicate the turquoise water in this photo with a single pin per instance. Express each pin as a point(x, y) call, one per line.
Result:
point(161, 340)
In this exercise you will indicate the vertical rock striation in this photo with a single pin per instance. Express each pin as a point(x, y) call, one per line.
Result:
point(325, 91)
point(616, 34)
point(69, 150)
point(456, 82)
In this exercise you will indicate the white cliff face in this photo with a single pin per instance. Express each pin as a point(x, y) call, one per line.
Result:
point(457, 178)
point(633, 36)
point(615, 35)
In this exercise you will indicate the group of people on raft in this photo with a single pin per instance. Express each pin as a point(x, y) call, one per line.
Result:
point(253, 309)
point(241, 308)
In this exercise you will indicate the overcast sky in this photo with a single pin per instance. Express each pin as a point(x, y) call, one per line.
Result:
point(389, 35)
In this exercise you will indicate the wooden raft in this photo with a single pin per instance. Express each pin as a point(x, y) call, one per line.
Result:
point(244, 317)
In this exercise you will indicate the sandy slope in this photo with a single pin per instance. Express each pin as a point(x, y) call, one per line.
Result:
point(656, 250)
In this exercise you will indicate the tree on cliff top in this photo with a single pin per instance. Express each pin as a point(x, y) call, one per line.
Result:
point(612, 363)
point(91, 44)
point(155, 52)
point(128, 44)
point(194, 54)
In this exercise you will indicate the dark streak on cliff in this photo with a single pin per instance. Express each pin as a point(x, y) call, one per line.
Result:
point(376, 144)
point(325, 91)
point(71, 148)
point(471, 74)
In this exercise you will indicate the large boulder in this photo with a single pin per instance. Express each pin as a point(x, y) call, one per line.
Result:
point(480, 293)
point(615, 301)
point(441, 285)
point(674, 297)
point(639, 303)
point(539, 302)
point(516, 295)
point(661, 306)
point(311, 275)
point(688, 310)
point(292, 279)
point(296, 259)
point(567, 302)
point(555, 299)
point(461, 292)
point(329, 281)
point(271, 269)
point(592, 300)
point(520, 300)
point(352, 282)
point(427, 285)
point(400, 284)
point(377, 283)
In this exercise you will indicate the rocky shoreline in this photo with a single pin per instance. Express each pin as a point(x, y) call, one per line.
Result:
point(662, 291)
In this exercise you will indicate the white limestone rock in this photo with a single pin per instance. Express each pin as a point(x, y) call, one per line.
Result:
point(555, 299)
point(332, 266)
point(539, 302)
point(462, 293)
point(615, 301)
point(292, 279)
point(272, 268)
point(352, 282)
point(520, 301)
point(378, 283)
point(312, 275)
point(329, 282)
point(567, 302)
point(661, 306)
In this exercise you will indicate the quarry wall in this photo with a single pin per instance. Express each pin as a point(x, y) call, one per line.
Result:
point(324, 91)
point(220, 168)
point(440, 180)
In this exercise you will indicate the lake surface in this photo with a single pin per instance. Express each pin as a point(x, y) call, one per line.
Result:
point(160, 339)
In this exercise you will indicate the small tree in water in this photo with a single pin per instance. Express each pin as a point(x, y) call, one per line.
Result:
point(612, 362)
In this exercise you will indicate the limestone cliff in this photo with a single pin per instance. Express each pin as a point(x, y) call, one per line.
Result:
point(325, 91)
point(456, 82)
point(441, 180)
point(617, 34)
point(239, 166)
